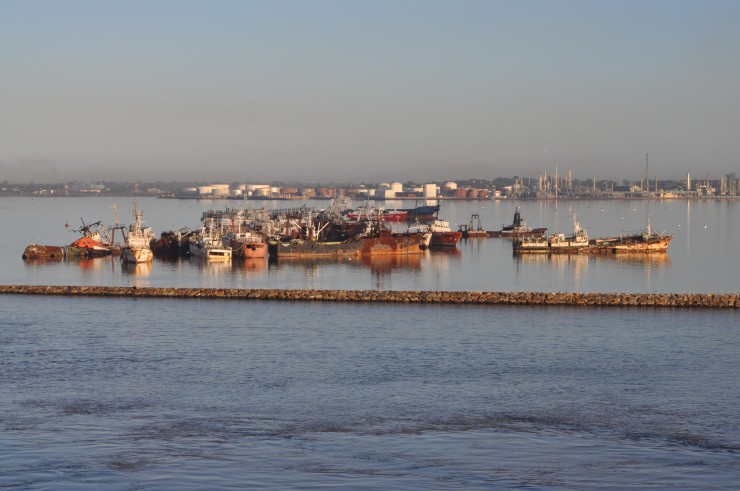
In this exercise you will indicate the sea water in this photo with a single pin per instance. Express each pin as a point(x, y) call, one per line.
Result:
point(214, 394)
point(218, 394)
point(701, 258)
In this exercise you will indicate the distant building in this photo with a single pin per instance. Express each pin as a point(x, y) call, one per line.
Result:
point(430, 191)
point(86, 187)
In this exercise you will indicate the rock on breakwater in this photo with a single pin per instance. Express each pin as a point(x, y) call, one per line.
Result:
point(682, 300)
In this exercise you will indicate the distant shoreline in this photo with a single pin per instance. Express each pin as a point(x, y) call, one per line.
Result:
point(323, 198)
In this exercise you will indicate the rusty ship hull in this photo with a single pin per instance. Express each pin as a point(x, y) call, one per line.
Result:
point(246, 249)
point(384, 244)
point(36, 251)
point(445, 239)
point(634, 244)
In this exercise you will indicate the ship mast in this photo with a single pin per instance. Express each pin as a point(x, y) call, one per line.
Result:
point(647, 177)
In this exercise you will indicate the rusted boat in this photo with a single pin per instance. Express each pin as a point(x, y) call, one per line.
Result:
point(382, 243)
point(96, 241)
point(560, 243)
point(172, 243)
point(645, 242)
point(91, 246)
point(423, 229)
point(518, 228)
point(245, 244)
point(36, 251)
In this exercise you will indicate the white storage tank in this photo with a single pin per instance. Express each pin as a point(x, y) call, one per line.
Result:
point(220, 189)
point(430, 190)
point(204, 190)
point(397, 187)
point(262, 192)
point(451, 185)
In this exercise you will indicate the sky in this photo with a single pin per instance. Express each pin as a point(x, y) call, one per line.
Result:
point(367, 91)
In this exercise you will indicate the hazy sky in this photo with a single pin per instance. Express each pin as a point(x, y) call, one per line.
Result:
point(367, 90)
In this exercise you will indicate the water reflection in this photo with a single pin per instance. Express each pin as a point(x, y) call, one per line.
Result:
point(42, 261)
point(574, 268)
point(473, 244)
point(206, 266)
point(97, 265)
point(386, 264)
point(662, 259)
point(83, 263)
point(441, 259)
point(577, 262)
point(376, 264)
point(561, 259)
point(136, 269)
point(249, 266)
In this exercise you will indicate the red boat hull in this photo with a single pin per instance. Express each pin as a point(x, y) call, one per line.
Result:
point(248, 249)
point(445, 239)
point(393, 216)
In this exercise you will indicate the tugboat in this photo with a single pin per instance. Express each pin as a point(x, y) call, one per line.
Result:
point(443, 235)
point(518, 228)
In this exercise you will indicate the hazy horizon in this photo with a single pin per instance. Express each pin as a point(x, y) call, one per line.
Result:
point(367, 91)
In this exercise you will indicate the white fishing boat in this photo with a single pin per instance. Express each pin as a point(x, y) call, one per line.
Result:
point(136, 248)
point(560, 243)
point(207, 244)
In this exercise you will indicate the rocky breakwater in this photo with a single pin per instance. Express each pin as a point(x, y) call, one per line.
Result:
point(682, 300)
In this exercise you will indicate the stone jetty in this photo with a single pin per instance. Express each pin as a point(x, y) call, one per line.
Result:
point(677, 300)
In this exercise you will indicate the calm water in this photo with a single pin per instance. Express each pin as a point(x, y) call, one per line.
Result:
point(176, 394)
point(206, 394)
point(701, 258)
